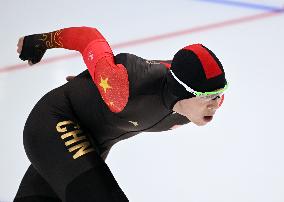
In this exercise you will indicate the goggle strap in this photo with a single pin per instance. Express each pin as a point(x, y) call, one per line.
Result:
point(187, 88)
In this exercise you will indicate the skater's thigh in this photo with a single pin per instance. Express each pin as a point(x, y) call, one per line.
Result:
point(58, 147)
point(64, 153)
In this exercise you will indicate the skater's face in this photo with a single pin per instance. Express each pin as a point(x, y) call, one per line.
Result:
point(197, 110)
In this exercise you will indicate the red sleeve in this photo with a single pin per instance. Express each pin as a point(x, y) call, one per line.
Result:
point(77, 38)
point(110, 78)
point(80, 39)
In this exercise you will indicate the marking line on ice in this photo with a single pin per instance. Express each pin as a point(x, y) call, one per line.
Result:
point(243, 5)
point(198, 29)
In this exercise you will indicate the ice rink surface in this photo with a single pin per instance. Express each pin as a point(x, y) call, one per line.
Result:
point(238, 157)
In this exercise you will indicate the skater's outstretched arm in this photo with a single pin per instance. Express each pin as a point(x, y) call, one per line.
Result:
point(110, 78)
point(33, 47)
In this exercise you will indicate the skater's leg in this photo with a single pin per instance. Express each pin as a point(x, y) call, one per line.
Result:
point(77, 176)
point(62, 152)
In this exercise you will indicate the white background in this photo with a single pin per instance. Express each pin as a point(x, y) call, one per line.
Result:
point(237, 157)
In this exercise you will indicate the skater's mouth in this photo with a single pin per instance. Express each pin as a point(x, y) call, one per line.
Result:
point(207, 118)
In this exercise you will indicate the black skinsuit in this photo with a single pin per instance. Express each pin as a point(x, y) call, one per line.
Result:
point(60, 174)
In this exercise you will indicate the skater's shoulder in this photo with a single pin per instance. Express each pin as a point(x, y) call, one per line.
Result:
point(145, 76)
point(133, 62)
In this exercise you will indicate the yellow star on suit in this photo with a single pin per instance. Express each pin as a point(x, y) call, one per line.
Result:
point(104, 84)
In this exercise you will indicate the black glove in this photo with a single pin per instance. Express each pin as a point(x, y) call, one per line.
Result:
point(33, 48)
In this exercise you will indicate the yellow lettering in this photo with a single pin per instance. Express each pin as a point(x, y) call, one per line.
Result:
point(73, 133)
point(63, 123)
point(75, 139)
point(83, 149)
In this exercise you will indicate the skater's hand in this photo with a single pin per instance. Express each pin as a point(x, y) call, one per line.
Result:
point(69, 78)
point(31, 48)
point(20, 44)
point(20, 47)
